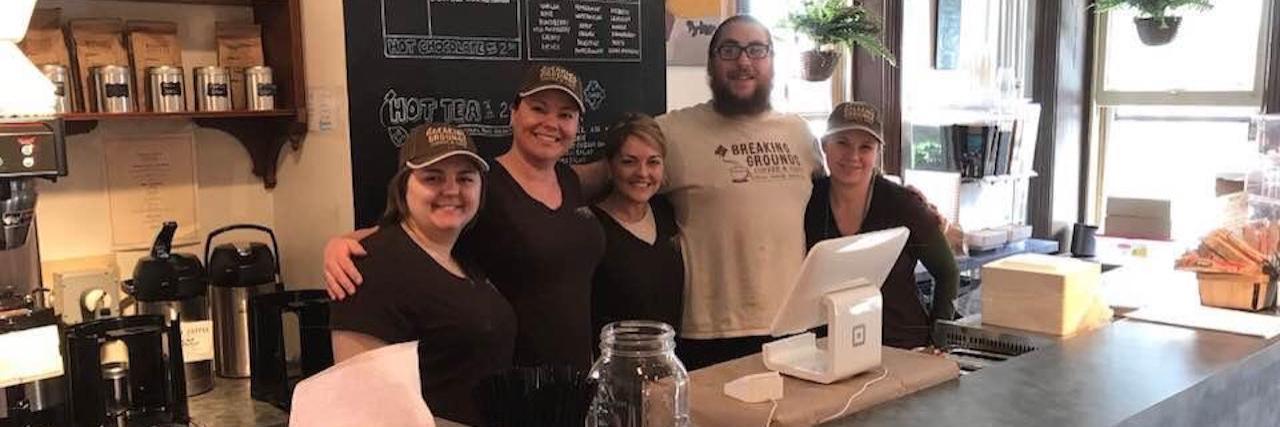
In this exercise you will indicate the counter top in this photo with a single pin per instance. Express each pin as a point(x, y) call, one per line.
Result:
point(1127, 373)
point(230, 405)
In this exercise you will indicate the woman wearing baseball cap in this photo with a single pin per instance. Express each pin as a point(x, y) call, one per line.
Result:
point(855, 198)
point(536, 237)
point(416, 289)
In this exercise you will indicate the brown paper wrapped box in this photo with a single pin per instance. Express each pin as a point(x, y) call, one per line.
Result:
point(96, 42)
point(805, 403)
point(239, 47)
point(152, 44)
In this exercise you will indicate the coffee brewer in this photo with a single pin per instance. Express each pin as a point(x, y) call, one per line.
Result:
point(31, 147)
point(149, 390)
point(274, 376)
point(32, 393)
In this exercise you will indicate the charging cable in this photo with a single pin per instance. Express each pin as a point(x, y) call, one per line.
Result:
point(849, 403)
point(769, 421)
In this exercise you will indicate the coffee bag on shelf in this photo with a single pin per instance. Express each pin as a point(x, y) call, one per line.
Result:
point(239, 47)
point(96, 42)
point(151, 44)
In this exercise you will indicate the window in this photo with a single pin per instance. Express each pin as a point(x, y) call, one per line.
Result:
point(1176, 153)
point(1215, 59)
point(811, 100)
point(1171, 119)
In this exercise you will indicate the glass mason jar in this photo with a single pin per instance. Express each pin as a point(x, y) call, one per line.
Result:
point(640, 382)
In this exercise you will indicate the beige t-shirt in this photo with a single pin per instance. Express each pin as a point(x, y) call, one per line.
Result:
point(739, 188)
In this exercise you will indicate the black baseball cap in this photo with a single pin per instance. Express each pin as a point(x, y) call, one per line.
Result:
point(542, 77)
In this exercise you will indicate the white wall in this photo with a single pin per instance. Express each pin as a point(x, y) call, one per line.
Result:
point(313, 199)
point(686, 86)
point(73, 213)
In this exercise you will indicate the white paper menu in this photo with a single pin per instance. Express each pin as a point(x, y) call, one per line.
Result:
point(151, 178)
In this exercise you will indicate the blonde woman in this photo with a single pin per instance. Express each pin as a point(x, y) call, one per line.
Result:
point(641, 276)
point(855, 198)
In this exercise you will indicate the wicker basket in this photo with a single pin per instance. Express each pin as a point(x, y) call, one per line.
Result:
point(1237, 291)
point(818, 65)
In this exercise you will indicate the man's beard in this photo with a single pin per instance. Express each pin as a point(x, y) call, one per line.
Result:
point(726, 103)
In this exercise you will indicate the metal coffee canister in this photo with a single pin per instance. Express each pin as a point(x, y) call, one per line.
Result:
point(260, 92)
point(113, 89)
point(213, 89)
point(164, 89)
point(57, 74)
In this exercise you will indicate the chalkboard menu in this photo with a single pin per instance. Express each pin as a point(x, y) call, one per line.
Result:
point(460, 62)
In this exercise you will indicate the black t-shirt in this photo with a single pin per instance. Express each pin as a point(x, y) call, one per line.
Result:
point(637, 280)
point(542, 260)
point(465, 327)
point(906, 323)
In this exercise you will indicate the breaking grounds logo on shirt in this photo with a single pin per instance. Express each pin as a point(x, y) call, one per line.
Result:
point(760, 161)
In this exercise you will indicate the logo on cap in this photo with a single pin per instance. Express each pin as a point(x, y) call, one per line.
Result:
point(558, 75)
point(860, 114)
point(437, 136)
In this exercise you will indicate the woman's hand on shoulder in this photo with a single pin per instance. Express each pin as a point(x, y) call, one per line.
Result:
point(933, 209)
point(340, 274)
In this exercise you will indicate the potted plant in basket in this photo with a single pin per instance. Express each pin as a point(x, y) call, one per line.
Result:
point(834, 25)
point(1155, 21)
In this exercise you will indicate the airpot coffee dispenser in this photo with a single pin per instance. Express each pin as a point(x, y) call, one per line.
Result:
point(238, 271)
point(173, 285)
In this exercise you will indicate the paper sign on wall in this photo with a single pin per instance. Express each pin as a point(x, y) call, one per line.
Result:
point(150, 179)
point(690, 24)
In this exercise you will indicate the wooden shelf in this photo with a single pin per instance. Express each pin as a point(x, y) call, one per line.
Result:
point(87, 117)
point(203, 2)
point(262, 133)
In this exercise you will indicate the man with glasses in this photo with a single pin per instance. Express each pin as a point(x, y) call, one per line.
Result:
point(739, 176)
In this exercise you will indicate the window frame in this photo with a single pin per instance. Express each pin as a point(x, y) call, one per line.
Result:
point(1105, 103)
point(1107, 98)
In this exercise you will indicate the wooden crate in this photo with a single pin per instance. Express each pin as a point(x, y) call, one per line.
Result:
point(1040, 293)
point(1237, 291)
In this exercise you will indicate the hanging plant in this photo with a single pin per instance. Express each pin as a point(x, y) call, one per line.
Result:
point(1156, 23)
point(834, 25)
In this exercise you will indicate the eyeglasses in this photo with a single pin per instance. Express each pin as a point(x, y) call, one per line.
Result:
point(731, 51)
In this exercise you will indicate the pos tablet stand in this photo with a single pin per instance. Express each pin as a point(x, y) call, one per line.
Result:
point(843, 275)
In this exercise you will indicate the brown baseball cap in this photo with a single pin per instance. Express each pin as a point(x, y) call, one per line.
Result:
point(542, 77)
point(432, 142)
point(855, 115)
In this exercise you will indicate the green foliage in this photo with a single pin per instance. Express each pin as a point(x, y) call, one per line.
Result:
point(1153, 8)
point(834, 22)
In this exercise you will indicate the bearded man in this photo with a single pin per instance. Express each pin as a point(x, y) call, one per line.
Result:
point(739, 175)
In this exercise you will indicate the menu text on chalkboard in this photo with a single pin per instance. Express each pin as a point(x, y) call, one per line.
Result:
point(461, 61)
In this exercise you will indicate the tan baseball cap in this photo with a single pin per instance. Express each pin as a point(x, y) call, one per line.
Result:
point(542, 77)
point(855, 115)
point(432, 142)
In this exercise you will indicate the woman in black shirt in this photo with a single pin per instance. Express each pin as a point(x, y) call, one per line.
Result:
point(856, 199)
point(642, 274)
point(535, 237)
point(415, 289)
